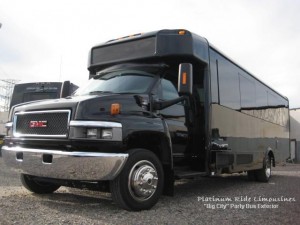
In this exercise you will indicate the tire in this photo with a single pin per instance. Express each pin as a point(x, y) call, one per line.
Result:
point(251, 175)
point(38, 187)
point(140, 183)
point(264, 174)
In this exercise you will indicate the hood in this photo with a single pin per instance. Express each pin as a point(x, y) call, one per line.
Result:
point(90, 107)
point(62, 103)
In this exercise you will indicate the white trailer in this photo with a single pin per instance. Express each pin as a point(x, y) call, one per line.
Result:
point(295, 135)
point(3, 120)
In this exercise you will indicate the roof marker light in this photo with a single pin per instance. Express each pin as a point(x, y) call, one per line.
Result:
point(181, 32)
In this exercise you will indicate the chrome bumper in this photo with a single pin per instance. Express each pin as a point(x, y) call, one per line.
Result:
point(88, 166)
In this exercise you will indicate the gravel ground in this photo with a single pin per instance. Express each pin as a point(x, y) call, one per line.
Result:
point(226, 199)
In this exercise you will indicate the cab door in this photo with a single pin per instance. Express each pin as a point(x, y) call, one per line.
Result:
point(175, 118)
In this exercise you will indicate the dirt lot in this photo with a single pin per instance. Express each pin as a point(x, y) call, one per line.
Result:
point(217, 200)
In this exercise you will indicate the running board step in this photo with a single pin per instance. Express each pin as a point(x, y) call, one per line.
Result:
point(188, 174)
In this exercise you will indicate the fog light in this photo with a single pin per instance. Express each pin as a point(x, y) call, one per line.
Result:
point(91, 133)
point(107, 134)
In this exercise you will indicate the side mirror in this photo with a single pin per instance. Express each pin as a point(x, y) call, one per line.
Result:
point(65, 92)
point(185, 79)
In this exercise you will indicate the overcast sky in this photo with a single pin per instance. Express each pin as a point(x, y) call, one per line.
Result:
point(49, 40)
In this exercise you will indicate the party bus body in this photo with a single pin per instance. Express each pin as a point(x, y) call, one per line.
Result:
point(131, 131)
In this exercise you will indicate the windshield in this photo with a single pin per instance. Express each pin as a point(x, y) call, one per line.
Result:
point(119, 82)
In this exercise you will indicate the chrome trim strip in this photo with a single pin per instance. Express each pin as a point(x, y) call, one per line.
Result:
point(14, 125)
point(43, 111)
point(9, 124)
point(15, 134)
point(89, 166)
point(39, 135)
point(82, 123)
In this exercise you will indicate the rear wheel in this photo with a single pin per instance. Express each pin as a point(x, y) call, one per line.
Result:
point(264, 174)
point(38, 187)
point(140, 183)
point(251, 175)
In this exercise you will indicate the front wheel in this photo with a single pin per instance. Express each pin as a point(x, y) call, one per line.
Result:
point(38, 187)
point(140, 183)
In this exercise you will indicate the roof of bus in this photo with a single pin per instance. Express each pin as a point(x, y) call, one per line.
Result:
point(199, 47)
point(149, 45)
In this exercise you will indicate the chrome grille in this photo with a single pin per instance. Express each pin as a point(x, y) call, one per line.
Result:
point(55, 123)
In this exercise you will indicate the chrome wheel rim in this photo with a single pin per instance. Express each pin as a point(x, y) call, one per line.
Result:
point(268, 167)
point(143, 179)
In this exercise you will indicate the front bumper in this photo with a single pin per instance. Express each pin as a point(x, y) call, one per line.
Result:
point(84, 166)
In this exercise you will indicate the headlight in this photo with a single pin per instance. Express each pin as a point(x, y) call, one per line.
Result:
point(92, 133)
point(99, 130)
point(107, 134)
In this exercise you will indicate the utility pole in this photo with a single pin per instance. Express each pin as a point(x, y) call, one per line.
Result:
point(6, 89)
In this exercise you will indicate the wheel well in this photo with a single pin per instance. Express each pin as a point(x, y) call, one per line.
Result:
point(156, 143)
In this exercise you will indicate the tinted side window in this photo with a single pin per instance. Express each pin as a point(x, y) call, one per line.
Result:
point(33, 96)
point(168, 90)
point(261, 95)
point(229, 84)
point(247, 87)
point(272, 100)
point(214, 77)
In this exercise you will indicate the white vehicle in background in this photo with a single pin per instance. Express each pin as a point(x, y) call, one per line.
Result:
point(295, 135)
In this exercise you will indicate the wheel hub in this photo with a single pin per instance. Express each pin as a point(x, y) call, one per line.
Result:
point(268, 167)
point(143, 180)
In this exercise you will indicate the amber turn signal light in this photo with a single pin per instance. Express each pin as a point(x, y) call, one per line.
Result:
point(115, 109)
point(184, 78)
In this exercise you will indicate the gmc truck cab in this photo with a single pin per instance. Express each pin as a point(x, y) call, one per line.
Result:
point(109, 134)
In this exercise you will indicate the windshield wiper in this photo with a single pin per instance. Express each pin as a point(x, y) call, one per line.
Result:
point(100, 92)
